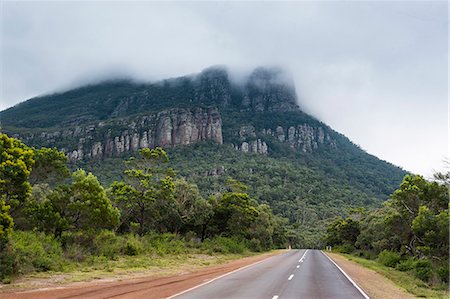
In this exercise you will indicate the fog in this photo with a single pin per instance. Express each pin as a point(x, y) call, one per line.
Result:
point(374, 71)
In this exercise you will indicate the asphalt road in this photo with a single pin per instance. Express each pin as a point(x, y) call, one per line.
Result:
point(295, 274)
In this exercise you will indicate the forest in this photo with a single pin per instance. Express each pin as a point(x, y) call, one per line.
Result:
point(54, 216)
point(409, 232)
point(51, 216)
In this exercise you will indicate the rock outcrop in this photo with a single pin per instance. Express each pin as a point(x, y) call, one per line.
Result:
point(301, 137)
point(167, 128)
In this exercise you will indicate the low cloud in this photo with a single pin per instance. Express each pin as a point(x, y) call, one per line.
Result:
point(375, 71)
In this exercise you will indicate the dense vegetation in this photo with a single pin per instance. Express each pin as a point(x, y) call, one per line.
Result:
point(204, 193)
point(296, 189)
point(50, 218)
point(409, 233)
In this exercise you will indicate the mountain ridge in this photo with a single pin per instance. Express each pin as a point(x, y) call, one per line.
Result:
point(214, 129)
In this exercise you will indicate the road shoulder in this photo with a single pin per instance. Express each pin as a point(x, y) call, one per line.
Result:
point(373, 283)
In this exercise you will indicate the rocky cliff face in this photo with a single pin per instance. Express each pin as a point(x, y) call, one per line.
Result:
point(301, 137)
point(167, 128)
point(108, 120)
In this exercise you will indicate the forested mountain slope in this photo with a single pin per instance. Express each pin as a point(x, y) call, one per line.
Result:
point(213, 128)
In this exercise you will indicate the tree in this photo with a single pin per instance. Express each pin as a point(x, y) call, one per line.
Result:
point(342, 231)
point(81, 206)
point(6, 224)
point(432, 231)
point(16, 160)
point(415, 194)
point(234, 213)
point(192, 210)
point(147, 191)
point(50, 166)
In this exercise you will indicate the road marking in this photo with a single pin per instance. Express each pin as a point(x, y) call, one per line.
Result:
point(348, 277)
point(290, 277)
point(303, 256)
point(298, 266)
point(275, 297)
point(219, 277)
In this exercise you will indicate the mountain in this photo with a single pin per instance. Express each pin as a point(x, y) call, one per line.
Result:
point(213, 128)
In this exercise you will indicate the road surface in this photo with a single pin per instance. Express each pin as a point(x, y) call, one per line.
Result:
point(295, 274)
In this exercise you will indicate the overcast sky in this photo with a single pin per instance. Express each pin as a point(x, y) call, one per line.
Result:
point(374, 71)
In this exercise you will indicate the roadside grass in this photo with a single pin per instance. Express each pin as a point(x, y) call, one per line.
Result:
point(404, 280)
point(146, 265)
point(124, 267)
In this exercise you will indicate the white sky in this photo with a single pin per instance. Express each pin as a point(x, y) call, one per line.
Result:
point(374, 71)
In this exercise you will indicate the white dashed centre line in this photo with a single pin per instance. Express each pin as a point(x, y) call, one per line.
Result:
point(298, 266)
point(275, 297)
point(290, 277)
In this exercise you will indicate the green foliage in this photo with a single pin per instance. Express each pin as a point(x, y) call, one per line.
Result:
point(82, 205)
point(443, 273)
point(6, 224)
point(148, 193)
point(35, 251)
point(344, 248)
point(406, 265)
point(132, 246)
point(389, 258)
point(50, 166)
point(423, 270)
point(224, 245)
point(342, 231)
point(410, 233)
point(16, 160)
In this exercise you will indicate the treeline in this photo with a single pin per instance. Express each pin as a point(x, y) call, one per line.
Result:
point(409, 233)
point(44, 205)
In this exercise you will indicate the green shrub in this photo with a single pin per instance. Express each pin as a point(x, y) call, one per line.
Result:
point(255, 245)
point(443, 273)
point(133, 245)
point(76, 253)
point(84, 239)
point(423, 270)
point(406, 265)
point(7, 262)
point(345, 248)
point(224, 245)
point(108, 244)
point(36, 251)
point(164, 244)
point(389, 258)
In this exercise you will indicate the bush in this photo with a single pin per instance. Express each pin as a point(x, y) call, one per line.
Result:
point(224, 245)
point(255, 245)
point(389, 258)
point(108, 244)
point(406, 265)
point(36, 251)
point(133, 245)
point(7, 262)
point(76, 252)
point(164, 244)
point(443, 273)
point(345, 248)
point(423, 270)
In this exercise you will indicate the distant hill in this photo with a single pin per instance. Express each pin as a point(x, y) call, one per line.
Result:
point(213, 128)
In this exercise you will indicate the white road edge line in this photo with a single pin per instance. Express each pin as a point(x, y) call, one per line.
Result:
point(219, 277)
point(290, 277)
point(348, 277)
